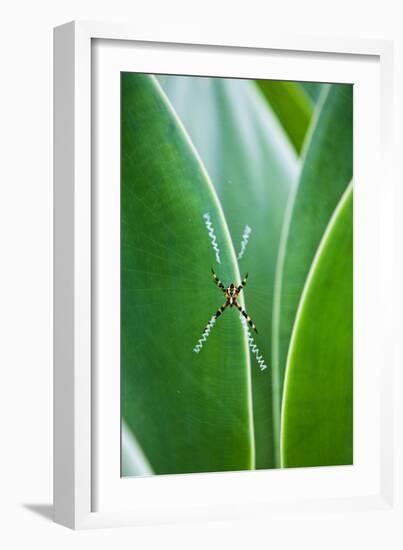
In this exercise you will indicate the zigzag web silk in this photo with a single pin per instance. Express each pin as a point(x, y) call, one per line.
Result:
point(244, 242)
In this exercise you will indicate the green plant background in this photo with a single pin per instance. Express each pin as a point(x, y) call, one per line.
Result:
point(276, 156)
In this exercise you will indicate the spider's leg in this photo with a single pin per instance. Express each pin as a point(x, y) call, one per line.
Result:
point(220, 310)
point(217, 281)
point(215, 317)
point(248, 319)
point(243, 283)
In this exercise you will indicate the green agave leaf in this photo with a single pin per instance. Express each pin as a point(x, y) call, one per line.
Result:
point(326, 172)
point(189, 412)
point(292, 105)
point(253, 167)
point(134, 463)
point(317, 420)
point(313, 90)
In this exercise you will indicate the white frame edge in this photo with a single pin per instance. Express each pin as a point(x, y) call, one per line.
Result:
point(72, 255)
point(72, 275)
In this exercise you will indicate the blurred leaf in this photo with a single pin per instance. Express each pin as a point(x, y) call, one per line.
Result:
point(326, 172)
point(134, 463)
point(317, 422)
point(189, 412)
point(313, 90)
point(292, 106)
point(253, 167)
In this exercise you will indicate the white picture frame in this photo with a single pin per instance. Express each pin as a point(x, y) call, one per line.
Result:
point(88, 491)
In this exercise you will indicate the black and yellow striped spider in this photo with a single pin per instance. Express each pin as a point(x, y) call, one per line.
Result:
point(231, 294)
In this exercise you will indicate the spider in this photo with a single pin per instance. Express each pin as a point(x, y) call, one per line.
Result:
point(231, 294)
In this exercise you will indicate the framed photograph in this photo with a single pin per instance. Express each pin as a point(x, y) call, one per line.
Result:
point(221, 324)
